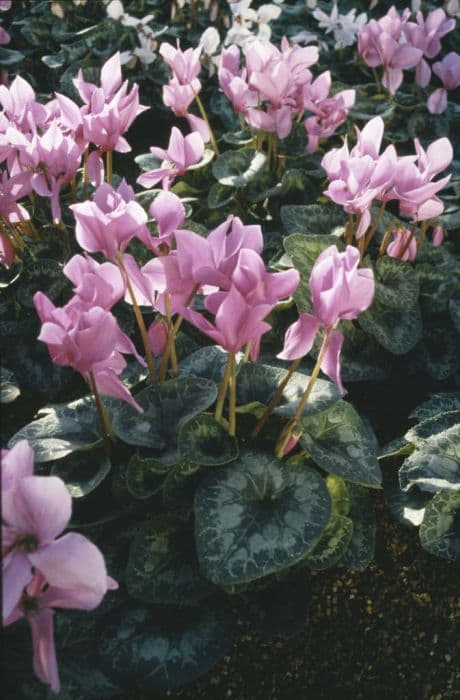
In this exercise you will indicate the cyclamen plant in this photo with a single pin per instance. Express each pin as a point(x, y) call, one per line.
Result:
point(203, 466)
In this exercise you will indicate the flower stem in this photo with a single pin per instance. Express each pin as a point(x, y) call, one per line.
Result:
point(223, 389)
point(104, 421)
point(85, 174)
point(170, 350)
point(232, 397)
point(206, 120)
point(291, 426)
point(423, 230)
point(349, 230)
point(108, 162)
point(139, 319)
point(409, 241)
point(275, 398)
point(374, 226)
point(385, 240)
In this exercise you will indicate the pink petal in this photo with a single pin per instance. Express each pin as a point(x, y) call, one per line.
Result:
point(44, 658)
point(300, 337)
point(41, 506)
point(331, 361)
point(73, 562)
point(17, 573)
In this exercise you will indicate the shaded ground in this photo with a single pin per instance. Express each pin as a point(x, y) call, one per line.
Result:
point(391, 631)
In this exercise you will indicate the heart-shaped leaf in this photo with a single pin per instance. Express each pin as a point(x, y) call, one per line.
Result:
point(204, 440)
point(208, 362)
point(9, 390)
point(396, 284)
point(82, 471)
point(361, 549)
point(396, 331)
point(163, 567)
point(438, 403)
point(313, 219)
point(220, 195)
point(144, 476)
point(258, 383)
point(332, 544)
point(362, 359)
point(338, 441)
point(163, 648)
point(60, 430)
point(237, 168)
point(44, 275)
point(258, 516)
point(440, 529)
point(167, 407)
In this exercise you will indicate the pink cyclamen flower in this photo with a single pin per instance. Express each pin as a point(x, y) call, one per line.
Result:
point(59, 158)
point(181, 153)
point(35, 511)
point(185, 65)
point(448, 70)
point(413, 182)
point(95, 284)
point(236, 323)
point(340, 290)
point(88, 339)
point(37, 605)
point(158, 336)
point(379, 43)
point(328, 113)
point(20, 107)
point(109, 109)
point(403, 240)
point(169, 214)
point(110, 221)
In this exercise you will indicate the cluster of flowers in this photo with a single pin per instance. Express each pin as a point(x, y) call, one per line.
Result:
point(343, 27)
point(359, 176)
point(398, 44)
point(43, 144)
point(42, 571)
point(146, 36)
point(225, 267)
point(276, 86)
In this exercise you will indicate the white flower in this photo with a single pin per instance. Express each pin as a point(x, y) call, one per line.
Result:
point(453, 8)
point(344, 27)
point(145, 55)
point(210, 41)
point(267, 13)
point(329, 23)
point(115, 9)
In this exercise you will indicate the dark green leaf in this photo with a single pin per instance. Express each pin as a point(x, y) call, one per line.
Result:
point(143, 476)
point(204, 440)
point(396, 284)
point(220, 195)
point(396, 331)
point(163, 567)
point(258, 516)
point(164, 649)
point(167, 407)
point(8, 57)
point(313, 219)
point(361, 549)
point(237, 168)
point(9, 390)
point(82, 471)
point(408, 508)
point(438, 403)
point(339, 443)
point(440, 529)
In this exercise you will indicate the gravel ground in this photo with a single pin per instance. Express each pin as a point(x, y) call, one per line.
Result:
point(389, 631)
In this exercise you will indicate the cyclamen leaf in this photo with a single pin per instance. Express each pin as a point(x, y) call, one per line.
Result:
point(436, 425)
point(396, 331)
point(82, 471)
point(361, 549)
point(237, 168)
point(258, 516)
point(163, 649)
point(339, 443)
point(396, 284)
point(9, 390)
point(313, 219)
point(258, 383)
point(332, 545)
point(167, 407)
point(204, 440)
point(438, 403)
point(60, 430)
point(163, 567)
point(431, 471)
point(408, 507)
point(440, 529)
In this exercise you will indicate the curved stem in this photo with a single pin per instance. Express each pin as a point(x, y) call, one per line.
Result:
point(290, 427)
point(275, 398)
point(139, 319)
point(108, 161)
point(104, 421)
point(206, 120)
point(232, 396)
point(374, 226)
point(223, 389)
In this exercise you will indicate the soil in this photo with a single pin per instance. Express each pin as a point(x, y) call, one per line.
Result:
point(390, 631)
